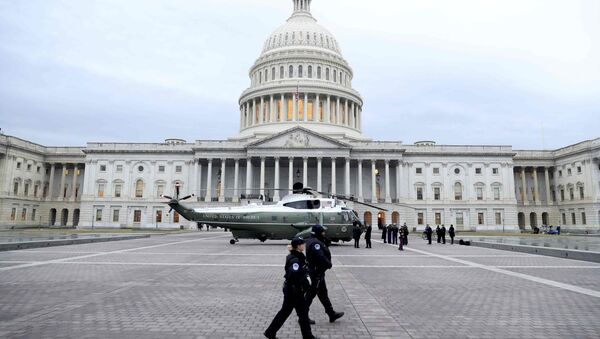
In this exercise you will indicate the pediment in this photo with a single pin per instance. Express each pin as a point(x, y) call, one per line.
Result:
point(298, 138)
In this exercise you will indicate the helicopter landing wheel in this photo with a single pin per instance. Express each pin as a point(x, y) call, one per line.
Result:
point(232, 241)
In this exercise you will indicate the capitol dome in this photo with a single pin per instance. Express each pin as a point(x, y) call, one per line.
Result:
point(301, 79)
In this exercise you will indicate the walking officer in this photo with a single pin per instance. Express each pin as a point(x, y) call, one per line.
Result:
point(452, 234)
point(295, 286)
point(368, 236)
point(443, 234)
point(319, 261)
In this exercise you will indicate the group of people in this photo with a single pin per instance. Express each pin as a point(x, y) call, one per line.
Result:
point(356, 233)
point(441, 233)
point(392, 233)
point(305, 280)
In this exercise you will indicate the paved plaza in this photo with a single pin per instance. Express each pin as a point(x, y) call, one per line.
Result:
point(196, 285)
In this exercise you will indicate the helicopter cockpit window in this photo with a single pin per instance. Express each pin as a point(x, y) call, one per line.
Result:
point(346, 216)
point(304, 204)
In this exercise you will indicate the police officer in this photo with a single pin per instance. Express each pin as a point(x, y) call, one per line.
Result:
point(295, 286)
point(319, 261)
point(428, 232)
point(356, 232)
point(452, 234)
point(443, 234)
point(368, 236)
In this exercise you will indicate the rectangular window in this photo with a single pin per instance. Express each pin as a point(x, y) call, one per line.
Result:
point(29, 167)
point(460, 219)
point(178, 169)
point(496, 193)
point(562, 195)
point(24, 214)
point(420, 220)
point(419, 170)
point(102, 168)
point(579, 169)
point(26, 189)
point(38, 169)
point(118, 189)
point(116, 216)
point(18, 165)
point(480, 218)
point(478, 171)
point(33, 212)
point(16, 188)
point(137, 216)
point(36, 188)
point(564, 219)
point(99, 214)
point(572, 193)
point(175, 217)
point(495, 171)
point(160, 190)
point(13, 214)
point(498, 218)
point(574, 218)
point(560, 173)
point(581, 193)
point(119, 168)
point(553, 195)
point(436, 170)
point(419, 193)
point(100, 190)
point(158, 216)
point(479, 193)
point(583, 218)
point(569, 172)
point(161, 169)
point(437, 193)
point(438, 218)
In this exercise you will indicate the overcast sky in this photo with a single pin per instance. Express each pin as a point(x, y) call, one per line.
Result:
point(524, 73)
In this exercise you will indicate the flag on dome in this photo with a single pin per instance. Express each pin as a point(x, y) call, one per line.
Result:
point(297, 94)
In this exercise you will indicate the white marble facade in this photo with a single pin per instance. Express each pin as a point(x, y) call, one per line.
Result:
point(300, 121)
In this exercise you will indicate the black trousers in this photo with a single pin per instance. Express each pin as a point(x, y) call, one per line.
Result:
point(292, 299)
point(452, 240)
point(319, 288)
point(356, 243)
point(443, 239)
point(439, 238)
point(429, 238)
point(368, 241)
point(395, 238)
point(405, 240)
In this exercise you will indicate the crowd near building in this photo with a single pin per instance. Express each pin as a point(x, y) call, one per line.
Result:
point(300, 121)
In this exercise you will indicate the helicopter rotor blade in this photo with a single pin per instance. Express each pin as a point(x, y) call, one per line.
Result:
point(166, 197)
point(187, 197)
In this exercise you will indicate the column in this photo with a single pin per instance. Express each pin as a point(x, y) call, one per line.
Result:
point(74, 184)
point(333, 178)
point(294, 108)
point(548, 191)
point(199, 174)
point(328, 110)
point(347, 178)
point(388, 196)
point(262, 176)
point(62, 181)
point(253, 111)
point(261, 116)
point(320, 174)
point(316, 106)
point(276, 181)
point(346, 114)
point(360, 181)
point(236, 181)
point(208, 197)
point(272, 110)
point(222, 193)
point(398, 180)
point(248, 115)
point(195, 177)
point(536, 187)
point(248, 176)
point(291, 175)
point(524, 183)
point(305, 107)
point(284, 107)
point(305, 172)
point(337, 112)
point(50, 182)
point(353, 117)
point(373, 182)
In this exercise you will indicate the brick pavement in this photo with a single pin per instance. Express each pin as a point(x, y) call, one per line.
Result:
point(198, 286)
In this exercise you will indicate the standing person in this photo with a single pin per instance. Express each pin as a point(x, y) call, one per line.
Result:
point(438, 232)
point(368, 236)
point(384, 234)
point(558, 229)
point(405, 229)
point(319, 261)
point(356, 232)
point(452, 234)
point(295, 285)
point(390, 233)
point(443, 232)
point(401, 240)
point(395, 234)
point(428, 232)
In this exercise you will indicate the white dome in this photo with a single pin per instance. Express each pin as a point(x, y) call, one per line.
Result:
point(301, 31)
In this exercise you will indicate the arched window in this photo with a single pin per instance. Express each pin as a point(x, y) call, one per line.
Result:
point(334, 76)
point(139, 188)
point(291, 72)
point(327, 74)
point(273, 73)
point(319, 72)
point(310, 72)
point(281, 72)
point(458, 191)
point(266, 75)
point(300, 71)
point(260, 78)
point(341, 77)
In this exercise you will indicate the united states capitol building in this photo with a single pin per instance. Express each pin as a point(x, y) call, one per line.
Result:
point(300, 121)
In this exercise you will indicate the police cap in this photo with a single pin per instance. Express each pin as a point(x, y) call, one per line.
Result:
point(297, 241)
point(318, 229)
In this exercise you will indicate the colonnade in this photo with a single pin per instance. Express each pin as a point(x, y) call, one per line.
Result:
point(535, 196)
point(300, 107)
point(75, 194)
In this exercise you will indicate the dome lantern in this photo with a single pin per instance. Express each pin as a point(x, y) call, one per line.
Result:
point(302, 7)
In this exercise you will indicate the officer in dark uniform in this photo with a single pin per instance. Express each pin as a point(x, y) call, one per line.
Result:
point(296, 284)
point(443, 234)
point(319, 261)
point(368, 236)
point(428, 232)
